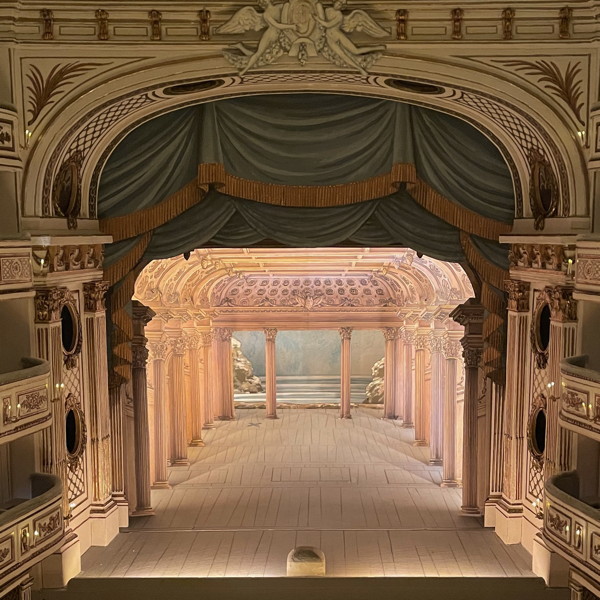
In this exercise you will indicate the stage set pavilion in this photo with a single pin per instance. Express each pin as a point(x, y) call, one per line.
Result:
point(300, 299)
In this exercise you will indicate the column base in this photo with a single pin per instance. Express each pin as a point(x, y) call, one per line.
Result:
point(508, 522)
point(271, 417)
point(406, 425)
point(226, 418)
point(197, 444)
point(420, 443)
point(549, 565)
point(160, 485)
point(435, 462)
point(104, 520)
point(450, 483)
point(208, 426)
point(180, 462)
point(63, 565)
point(470, 511)
point(122, 508)
point(345, 416)
point(143, 512)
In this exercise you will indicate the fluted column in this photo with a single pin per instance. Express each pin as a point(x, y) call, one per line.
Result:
point(141, 316)
point(346, 373)
point(99, 411)
point(158, 352)
point(470, 315)
point(209, 380)
point(224, 367)
point(408, 376)
point(389, 383)
point(178, 449)
point(421, 347)
point(452, 354)
point(438, 392)
point(196, 389)
point(270, 372)
point(398, 375)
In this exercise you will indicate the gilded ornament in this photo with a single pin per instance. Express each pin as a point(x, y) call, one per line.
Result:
point(302, 29)
point(155, 17)
point(401, 21)
point(457, 18)
point(102, 20)
point(47, 17)
point(204, 16)
point(556, 523)
point(508, 14)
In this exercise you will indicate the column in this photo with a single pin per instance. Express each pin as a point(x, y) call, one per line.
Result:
point(158, 352)
point(452, 353)
point(346, 373)
point(141, 316)
point(197, 389)
point(563, 335)
point(209, 380)
point(178, 449)
point(271, 372)
point(222, 363)
point(398, 375)
point(389, 384)
point(438, 392)
point(470, 315)
point(408, 375)
point(421, 348)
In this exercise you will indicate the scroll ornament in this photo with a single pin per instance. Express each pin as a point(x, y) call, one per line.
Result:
point(302, 29)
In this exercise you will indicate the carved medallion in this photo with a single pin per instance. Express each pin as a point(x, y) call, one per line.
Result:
point(66, 192)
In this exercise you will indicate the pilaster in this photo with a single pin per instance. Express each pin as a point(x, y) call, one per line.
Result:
point(271, 372)
point(158, 353)
point(178, 445)
point(209, 380)
point(197, 388)
point(346, 372)
point(223, 366)
point(389, 375)
point(452, 355)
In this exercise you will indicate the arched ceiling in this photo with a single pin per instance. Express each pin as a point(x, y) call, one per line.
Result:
point(214, 281)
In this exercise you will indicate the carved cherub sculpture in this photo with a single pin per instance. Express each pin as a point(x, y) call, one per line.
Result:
point(336, 25)
point(248, 19)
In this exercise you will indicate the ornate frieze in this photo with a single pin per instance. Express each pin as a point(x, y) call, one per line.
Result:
point(270, 333)
point(518, 295)
point(563, 307)
point(302, 29)
point(346, 333)
point(94, 293)
point(58, 259)
point(547, 257)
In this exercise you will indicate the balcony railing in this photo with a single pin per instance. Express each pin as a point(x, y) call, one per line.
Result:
point(32, 528)
point(572, 526)
point(580, 397)
point(25, 399)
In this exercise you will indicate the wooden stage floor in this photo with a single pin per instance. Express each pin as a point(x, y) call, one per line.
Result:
point(358, 489)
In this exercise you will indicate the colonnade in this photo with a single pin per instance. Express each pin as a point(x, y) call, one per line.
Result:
point(423, 371)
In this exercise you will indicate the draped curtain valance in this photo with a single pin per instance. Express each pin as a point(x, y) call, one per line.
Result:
point(305, 170)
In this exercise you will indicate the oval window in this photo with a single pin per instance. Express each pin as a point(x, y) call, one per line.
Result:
point(69, 329)
point(543, 328)
point(72, 432)
point(539, 431)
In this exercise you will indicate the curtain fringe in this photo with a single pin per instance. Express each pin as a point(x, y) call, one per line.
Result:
point(488, 271)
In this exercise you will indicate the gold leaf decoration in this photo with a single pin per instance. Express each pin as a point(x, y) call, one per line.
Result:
point(567, 85)
point(43, 91)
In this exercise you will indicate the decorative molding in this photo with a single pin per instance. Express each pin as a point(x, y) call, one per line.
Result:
point(94, 293)
point(57, 259)
point(43, 90)
point(346, 332)
point(401, 22)
point(270, 333)
point(15, 269)
point(547, 257)
point(518, 295)
point(565, 16)
point(302, 29)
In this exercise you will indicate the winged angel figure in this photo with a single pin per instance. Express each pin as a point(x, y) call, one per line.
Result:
point(302, 28)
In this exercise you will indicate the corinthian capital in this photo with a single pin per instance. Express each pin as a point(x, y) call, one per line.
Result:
point(270, 334)
point(518, 295)
point(472, 356)
point(223, 333)
point(48, 304)
point(562, 306)
point(390, 333)
point(178, 345)
point(345, 333)
point(93, 294)
point(194, 341)
point(140, 356)
point(207, 338)
point(158, 350)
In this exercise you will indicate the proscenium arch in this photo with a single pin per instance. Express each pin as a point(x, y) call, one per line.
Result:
point(464, 87)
